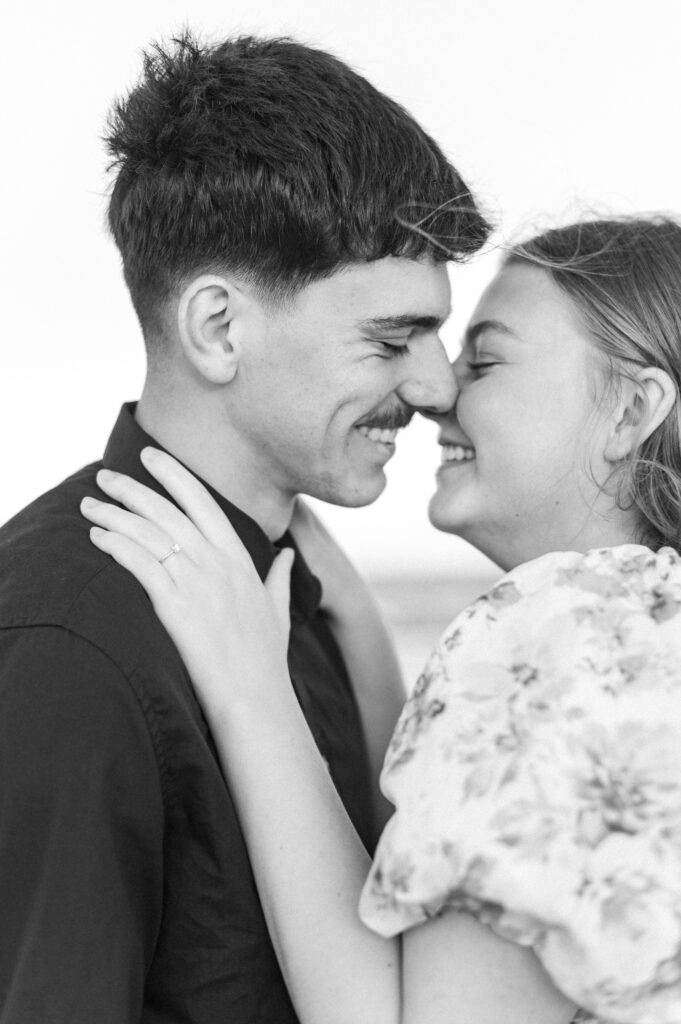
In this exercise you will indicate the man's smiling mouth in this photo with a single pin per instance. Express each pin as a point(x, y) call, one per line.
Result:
point(384, 435)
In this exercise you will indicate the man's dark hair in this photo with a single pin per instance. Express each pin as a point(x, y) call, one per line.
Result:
point(275, 161)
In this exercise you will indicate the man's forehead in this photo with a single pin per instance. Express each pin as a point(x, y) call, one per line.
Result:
point(394, 293)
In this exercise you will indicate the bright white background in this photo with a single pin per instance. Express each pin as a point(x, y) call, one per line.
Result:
point(543, 105)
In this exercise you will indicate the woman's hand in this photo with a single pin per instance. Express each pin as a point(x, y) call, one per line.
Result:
point(230, 629)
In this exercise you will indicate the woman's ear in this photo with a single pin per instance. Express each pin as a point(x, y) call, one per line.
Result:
point(646, 398)
point(205, 313)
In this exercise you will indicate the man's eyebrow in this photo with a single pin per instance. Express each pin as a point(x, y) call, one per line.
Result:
point(475, 330)
point(397, 323)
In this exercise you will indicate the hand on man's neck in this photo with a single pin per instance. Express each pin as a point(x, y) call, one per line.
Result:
point(201, 440)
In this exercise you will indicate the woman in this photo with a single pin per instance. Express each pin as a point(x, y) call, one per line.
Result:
point(533, 864)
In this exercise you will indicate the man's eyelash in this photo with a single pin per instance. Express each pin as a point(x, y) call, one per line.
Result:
point(395, 350)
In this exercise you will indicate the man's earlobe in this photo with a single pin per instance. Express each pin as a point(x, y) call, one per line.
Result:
point(204, 319)
point(646, 399)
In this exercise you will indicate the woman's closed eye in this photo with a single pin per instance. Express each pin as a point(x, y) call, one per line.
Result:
point(478, 366)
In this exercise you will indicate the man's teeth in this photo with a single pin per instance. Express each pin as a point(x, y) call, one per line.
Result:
point(457, 453)
point(376, 434)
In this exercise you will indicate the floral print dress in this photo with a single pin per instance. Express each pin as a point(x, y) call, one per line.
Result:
point(536, 775)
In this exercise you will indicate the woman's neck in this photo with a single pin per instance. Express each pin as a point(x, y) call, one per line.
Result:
point(598, 531)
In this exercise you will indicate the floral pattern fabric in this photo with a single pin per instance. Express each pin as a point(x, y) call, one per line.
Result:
point(536, 775)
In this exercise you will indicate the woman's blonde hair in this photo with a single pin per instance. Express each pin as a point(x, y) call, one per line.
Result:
point(624, 277)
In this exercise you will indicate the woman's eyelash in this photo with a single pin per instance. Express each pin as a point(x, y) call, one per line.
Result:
point(479, 366)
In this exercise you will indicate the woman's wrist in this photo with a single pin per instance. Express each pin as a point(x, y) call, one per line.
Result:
point(254, 704)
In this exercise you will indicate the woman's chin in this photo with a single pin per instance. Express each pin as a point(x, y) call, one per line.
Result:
point(445, 513)
point(442, 517)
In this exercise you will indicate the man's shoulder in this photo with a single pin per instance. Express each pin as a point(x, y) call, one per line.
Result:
point(51, 575)
point(46, 558)
point(72, 621)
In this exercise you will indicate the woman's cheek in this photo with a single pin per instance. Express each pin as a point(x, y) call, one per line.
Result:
point(481, 409)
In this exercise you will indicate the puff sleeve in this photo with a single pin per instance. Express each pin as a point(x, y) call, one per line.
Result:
point(536, 776)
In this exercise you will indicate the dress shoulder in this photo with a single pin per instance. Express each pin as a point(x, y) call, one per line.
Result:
point(536, 775)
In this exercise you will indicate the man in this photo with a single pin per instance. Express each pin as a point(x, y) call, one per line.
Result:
point(261, 206)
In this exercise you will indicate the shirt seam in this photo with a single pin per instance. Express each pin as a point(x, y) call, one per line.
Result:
point(141, 697)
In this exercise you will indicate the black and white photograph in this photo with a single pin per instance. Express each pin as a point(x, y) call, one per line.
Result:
point(340, 521)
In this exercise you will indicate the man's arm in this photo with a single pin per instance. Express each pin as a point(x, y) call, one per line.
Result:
point(81, 825)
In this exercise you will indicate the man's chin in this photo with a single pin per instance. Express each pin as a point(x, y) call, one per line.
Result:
point(357, 494)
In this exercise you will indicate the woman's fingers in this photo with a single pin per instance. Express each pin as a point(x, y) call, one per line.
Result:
point(152, 507)
point(136, 528)
point(199, 517)
point(192, 496)
point(143, 565)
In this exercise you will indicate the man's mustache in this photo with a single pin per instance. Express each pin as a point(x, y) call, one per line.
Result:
point(390, 419)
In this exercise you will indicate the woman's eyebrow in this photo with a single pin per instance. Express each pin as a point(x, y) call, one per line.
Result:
point(473, 331)
point(397, 323)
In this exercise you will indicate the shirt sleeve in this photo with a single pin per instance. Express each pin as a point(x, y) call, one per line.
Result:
point(81, 826)
point(536, 774)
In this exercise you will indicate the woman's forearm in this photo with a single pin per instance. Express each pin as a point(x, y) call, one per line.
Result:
point(309, 866)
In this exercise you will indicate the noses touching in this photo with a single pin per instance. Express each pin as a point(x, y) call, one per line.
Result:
point(429, 386)
point(450, 432)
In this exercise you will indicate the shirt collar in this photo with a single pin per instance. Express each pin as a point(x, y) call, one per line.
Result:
point(122, 454)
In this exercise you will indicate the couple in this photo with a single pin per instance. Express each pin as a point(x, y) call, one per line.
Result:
point(262, 206)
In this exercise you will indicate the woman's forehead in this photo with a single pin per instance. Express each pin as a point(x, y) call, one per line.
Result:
point(524, 303)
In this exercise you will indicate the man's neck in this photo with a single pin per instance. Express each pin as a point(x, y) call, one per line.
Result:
point(202, 442)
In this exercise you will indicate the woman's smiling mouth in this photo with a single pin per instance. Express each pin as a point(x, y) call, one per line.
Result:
point(454, 453)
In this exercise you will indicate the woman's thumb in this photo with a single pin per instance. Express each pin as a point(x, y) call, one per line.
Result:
point(278, 585)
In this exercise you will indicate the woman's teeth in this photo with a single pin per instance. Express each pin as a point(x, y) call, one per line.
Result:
point(457, 453)
point(376, 434)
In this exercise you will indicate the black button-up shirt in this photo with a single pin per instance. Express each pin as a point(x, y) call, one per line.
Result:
point(126, 894)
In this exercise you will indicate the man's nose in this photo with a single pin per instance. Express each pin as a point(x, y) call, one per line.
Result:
point(428, 385)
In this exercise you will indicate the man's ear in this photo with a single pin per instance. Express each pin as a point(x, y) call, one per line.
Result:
point(646, 398)
point(205, 313)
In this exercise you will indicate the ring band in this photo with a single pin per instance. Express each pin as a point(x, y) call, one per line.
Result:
point(173, 551)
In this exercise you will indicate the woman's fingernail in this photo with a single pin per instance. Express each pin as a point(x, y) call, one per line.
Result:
point(148, 454)
point(106, 476)
point(89, 503)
